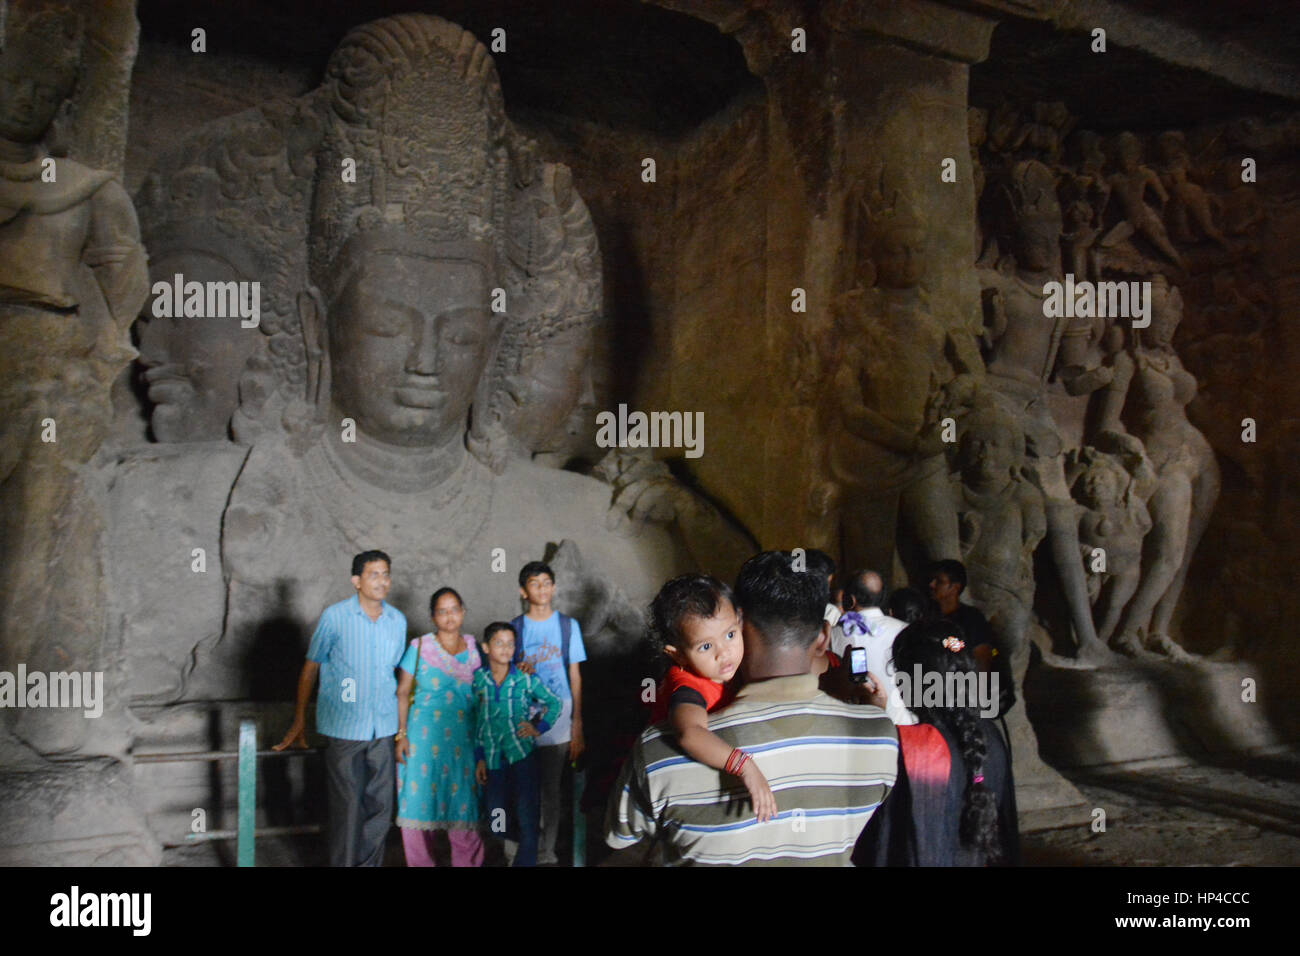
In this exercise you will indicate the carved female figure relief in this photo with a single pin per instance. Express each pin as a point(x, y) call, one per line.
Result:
point(1153, 389)
point(1001, 515)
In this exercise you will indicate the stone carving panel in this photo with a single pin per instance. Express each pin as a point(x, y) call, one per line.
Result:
point(72, 276)
point(427, 331)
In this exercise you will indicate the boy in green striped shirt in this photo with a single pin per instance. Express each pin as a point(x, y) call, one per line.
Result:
point(504, 740)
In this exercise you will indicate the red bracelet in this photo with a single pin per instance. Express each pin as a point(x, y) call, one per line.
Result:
point(736, 762)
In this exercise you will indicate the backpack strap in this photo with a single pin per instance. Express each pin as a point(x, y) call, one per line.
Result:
point(566, 632)
point(518, 624)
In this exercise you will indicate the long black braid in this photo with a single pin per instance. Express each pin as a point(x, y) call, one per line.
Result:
point(923, 643)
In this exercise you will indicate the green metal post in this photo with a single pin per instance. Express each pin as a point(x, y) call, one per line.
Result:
point(579, 821)
point(247, 825)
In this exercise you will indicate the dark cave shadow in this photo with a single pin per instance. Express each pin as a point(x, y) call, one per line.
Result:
point(290, 789)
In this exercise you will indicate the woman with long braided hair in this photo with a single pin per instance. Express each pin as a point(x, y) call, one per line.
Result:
point(955, 803)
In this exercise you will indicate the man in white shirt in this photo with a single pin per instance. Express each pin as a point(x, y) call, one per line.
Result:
point(864, 624)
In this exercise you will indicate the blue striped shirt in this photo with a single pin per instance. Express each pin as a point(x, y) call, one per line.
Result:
point(357, 656)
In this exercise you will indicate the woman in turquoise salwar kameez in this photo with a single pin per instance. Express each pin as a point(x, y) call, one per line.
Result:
point(436, 789)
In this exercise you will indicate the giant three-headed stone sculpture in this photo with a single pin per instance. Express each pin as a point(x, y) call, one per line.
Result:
point(393, 430)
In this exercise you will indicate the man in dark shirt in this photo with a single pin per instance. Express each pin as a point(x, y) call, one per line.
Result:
point(947, 582)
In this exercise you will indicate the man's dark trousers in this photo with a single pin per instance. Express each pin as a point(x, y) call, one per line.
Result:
point(362, 794)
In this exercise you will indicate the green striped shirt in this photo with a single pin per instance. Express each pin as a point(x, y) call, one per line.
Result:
point(501, 707)
point(829, 765)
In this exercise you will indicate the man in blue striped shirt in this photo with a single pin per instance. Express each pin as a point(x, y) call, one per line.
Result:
point(829, 763)
point(355, 652)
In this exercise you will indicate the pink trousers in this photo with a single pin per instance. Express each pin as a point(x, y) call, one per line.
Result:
point(466, 847)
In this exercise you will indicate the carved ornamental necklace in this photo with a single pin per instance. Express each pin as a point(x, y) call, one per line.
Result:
point(433, 525)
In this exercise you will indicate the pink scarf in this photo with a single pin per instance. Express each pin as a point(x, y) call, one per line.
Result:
point(435, 656)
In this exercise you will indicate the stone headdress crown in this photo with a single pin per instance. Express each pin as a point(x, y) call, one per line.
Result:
point(47, 39)
point(1031, 190)
point(415, 111)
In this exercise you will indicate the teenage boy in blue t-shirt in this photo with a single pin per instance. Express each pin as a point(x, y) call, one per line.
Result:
point(541, 649)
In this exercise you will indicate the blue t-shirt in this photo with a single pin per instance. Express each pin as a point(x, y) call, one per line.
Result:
point(542, 650)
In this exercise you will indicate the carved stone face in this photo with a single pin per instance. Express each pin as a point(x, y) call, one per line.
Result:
point(29, 99)
point(409, 338)
point(1038, 247)
point(987, 455)
point(899, 258)
point(545, 390)
point(1128, 150)
point(192, 366)
point(1101, 486)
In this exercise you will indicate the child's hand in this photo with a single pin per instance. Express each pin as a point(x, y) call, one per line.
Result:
point(759, 792)
point(526, 730)
point(480, 773)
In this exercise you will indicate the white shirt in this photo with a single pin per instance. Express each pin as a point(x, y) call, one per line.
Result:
point(832, 614)
point(879, 643)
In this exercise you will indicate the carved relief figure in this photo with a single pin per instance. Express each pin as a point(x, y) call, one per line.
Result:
point(1043, 137)
point(1002, 521)
point(545, 361)
point(229, 204)
point(1153, 389)
point(1190, 202)
point(72, 277)
point(887, 401)
point(1023, 349)
point(1129, 185)
point(1111, 528)
point(72, 271)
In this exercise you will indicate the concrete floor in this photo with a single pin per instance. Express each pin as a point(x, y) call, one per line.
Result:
point(1241, 814)
point(1246, 814)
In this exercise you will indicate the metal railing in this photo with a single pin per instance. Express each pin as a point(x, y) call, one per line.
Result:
point(246, 830)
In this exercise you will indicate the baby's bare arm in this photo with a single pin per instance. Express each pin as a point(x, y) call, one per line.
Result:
point(691, 723)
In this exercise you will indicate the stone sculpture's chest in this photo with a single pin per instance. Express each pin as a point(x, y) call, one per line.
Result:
point(39, 254)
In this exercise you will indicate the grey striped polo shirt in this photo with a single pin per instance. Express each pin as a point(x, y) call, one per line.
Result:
point(829, 765)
